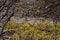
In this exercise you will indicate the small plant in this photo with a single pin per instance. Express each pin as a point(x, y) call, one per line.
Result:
point(40, 31)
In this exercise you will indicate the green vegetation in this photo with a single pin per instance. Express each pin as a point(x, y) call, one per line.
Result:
point(40, 31)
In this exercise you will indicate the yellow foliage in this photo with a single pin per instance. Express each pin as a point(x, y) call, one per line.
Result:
point(11, 26)
point(33, 32)
point(15, 36)
point(58, 28)
point(26, 24)
point(45, 25)
point(58, 25)
point(58, 31)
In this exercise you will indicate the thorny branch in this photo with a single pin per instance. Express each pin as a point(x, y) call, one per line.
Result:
point(6, 13)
